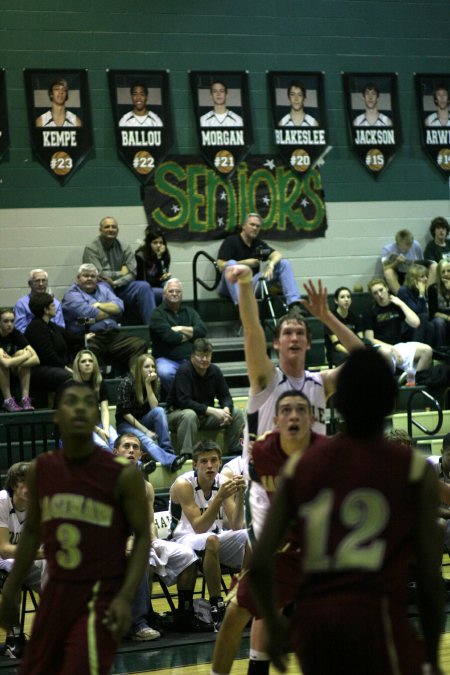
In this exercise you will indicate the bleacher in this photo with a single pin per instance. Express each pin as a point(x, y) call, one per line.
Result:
point(24, 435)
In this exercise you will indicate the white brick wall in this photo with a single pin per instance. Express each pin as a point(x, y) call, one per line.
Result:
point(54, 239)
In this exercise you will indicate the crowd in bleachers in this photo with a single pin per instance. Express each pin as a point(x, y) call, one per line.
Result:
point(45, 342)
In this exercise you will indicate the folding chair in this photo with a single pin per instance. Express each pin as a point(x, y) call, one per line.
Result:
point(27, 592)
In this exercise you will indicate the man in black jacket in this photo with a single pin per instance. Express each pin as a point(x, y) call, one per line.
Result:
point(190, 403)
point(173, 328)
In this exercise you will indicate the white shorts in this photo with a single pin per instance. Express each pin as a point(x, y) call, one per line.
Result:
point(407, 351)
point(170, 558)
point(257, 505)
point(232, 545)
point(35, 578)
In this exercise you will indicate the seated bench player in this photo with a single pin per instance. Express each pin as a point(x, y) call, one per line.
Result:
point(198, 501)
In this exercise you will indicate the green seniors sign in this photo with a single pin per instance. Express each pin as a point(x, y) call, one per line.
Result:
point(189, 200)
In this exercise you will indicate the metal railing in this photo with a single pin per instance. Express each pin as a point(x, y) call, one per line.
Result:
point(409, 412)
point(211, 286)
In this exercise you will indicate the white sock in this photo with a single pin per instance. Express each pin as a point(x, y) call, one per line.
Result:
point(255, 655)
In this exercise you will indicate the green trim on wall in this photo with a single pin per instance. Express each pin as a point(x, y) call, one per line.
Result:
point(328, 35)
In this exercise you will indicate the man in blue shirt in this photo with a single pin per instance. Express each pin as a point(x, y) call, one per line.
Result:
point(91, 305)
point(38, 283)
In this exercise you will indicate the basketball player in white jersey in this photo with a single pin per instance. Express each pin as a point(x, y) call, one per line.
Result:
point(267, 382)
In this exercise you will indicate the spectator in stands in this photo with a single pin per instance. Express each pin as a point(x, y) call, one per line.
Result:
point(247, 248)
point(17, 358)
point(385, 325)
point(91, 304)
point(173, 328)
point(397, 256)
point(439, 294)
point(439, 247)
point(87, 370)
point(172, 562)
point(191, 406)
point(414, 293)
point(38, 283)
point(337, 353)
point(13, 514)
point(138, 412)
point(53, 345)
point(116, 266)
point(153, 262)
point(198, 501)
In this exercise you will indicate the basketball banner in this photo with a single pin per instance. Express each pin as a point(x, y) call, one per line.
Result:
point(141, 110)
point(373, 118)
point(59, 119)
point(223, 119)
point(299, 122)
point(432, 92)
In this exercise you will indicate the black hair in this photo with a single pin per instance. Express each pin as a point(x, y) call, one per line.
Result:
point(69, 384)
point(148, 253)
point(218, 82)
point(338, 290)
point(439, 221)
point(138, 83)
point(440, 85)
point(39, 302)
point(365, 393)
point(299, 85)
point(370, 85)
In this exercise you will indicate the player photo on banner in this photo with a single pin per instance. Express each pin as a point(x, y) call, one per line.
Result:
point(371, 101)
point(4, 129)
point(222, 111)
point(432, 93)
point(60, 119)
point(298, 111)
point(142, 118)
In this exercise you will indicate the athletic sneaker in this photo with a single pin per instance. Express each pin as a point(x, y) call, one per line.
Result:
point(217, 614)
point(10, 405)
point(145, 634)
point(187, 622)
point(26, 403)
point(14, 646)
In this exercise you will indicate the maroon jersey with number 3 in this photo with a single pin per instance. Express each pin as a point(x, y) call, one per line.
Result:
point(84, 531)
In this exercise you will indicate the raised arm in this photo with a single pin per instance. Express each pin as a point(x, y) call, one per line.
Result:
point(317, 304)
point(260, 367)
